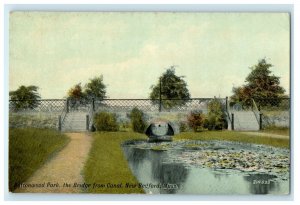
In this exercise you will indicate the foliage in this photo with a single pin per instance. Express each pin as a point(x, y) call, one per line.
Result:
point(137, 120)
point(259, 84)
point(76, 95)
point(76, 92)
point(172, 87)
point(216, 117)
point(196, 120)
point(183, 126)
point(105, 121)
point(95, 88)
point(25, 97)
point(29, 148)
point(106, 163)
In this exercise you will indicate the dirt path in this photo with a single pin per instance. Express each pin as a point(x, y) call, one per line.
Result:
point(267, 135)
point(65, 167)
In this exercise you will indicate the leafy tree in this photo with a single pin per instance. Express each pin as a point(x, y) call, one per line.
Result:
point(76, 92)
point(95, 88)
point(171, 87)
point(260, 83)
point(25, 97)
point(76, 96)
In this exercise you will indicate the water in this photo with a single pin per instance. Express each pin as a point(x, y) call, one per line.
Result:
point(169, 171)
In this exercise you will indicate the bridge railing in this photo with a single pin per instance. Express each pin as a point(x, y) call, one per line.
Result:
point(268, 111)
point(148, 105)
point(45, 105)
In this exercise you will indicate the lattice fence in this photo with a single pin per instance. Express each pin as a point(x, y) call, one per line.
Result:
point(276, 104)
point(165, 105)
point(114, 105)
point(276, 111)
point(51, 105)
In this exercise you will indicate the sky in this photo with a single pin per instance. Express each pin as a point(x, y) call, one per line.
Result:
point(214, 51)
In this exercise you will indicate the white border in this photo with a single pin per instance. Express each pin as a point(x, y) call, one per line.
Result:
point(126, 7)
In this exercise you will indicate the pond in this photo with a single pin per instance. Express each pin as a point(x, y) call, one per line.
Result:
point(208, 167)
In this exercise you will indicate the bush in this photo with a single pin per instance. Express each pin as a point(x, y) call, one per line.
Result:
point(183, 127)
point(212, 122)
point(216, 117)
point(196, 120)
point(137, 120)
point(105, 121)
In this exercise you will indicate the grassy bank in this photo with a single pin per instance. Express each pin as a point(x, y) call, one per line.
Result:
point(107, 164)
point(277, 130)
point(233, 136)
point(29, 148)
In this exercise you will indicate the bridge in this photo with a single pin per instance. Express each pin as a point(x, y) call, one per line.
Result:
point(77, 116)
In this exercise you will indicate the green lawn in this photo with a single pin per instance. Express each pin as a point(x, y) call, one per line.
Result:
point(107, 163)
point(29, 148)
point(233, 136)
point(278, 131)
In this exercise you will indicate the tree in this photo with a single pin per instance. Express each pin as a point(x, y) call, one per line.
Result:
point(76, 93)
point(76, 96)
point(260, 83)
point(25, 97)
point(170, 86)
point(95, 88)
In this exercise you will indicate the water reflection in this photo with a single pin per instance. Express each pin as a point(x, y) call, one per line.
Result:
point(167, 173)
point(148, 166)
point(154, 168)
point(261, 183)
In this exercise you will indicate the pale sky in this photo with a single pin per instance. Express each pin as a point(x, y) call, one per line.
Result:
point(214, 51)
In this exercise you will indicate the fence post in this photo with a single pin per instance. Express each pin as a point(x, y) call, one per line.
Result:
point(87, 122)
point(67, 105)
point(59, 122)
point(232, 121)
point(260, 121)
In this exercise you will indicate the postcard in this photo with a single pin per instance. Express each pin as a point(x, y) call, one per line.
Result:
point(149, 103)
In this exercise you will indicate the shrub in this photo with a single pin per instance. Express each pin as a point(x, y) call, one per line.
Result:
point(183, 126)
point(196, 120)
point(137, 120)
point(216, 117)
point(213, 123)
point(105, 121)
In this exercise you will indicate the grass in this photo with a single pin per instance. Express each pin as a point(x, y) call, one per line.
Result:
point(277, 130)
point(107, 164)
point(29, 148)
point(233, 136)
